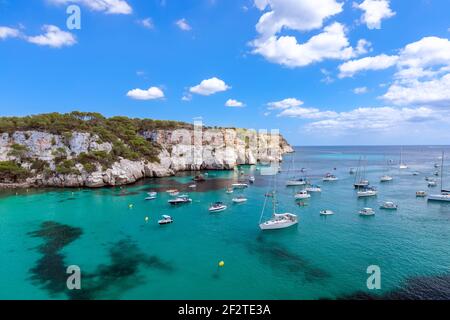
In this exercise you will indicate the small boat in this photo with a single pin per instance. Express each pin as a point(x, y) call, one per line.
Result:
point(269, 194)
point(171, 191)
point(313, 188)
point(330, 177)
point(165, 220)
point(415, 173)
point(444, 196)
point(367, 192)
point(229, 190)
point(432, 183)
point(386, 178)
point(429, 179)
point(239, 185)
point(352, 171)
point(361, 184)
point(421, 194)
point(301, 195)
point(326, 213)
point(402, 164)
point(217, 207)
point(367, 212)
point(150, 198)
point(436, 173)
point(437, 165)
point(296, 182)
point(193, 186)
point(174, 194)
point(389, 205)
point(184, 195)
point(179, 200)
point(239, 199)
point(251, 179)
point(152, 194)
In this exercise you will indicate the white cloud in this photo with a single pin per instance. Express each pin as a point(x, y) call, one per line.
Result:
point(147, 23)
point(106, 6)
point(306, 113)
point(53, 37)
point(360, 90)
point(434, 92)
point(7, 32)
point(299, 15)
point(374, 119)
point(234, 103)
point(209, 87)
point(186, 97)
point(183, 25)
point(350, 68)
point(374, 12)
point(285, 104)
point(151, 93)
point(332, 43)
point(363, 47)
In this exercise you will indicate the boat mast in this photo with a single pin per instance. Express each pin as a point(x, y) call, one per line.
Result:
point(442, 172)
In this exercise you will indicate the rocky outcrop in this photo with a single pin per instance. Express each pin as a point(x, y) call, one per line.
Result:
point(180, 150)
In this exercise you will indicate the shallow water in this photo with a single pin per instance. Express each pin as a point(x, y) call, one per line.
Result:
point(122, 256)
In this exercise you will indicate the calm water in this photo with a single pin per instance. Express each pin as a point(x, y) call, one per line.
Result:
point(123, 257)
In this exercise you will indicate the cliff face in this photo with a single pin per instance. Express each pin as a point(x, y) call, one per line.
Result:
point(180, 150)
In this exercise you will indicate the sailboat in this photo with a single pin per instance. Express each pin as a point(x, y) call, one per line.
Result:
point(386, 177)
point(295, 181)
point(278, 220)
point(402, 165)
point(360, 177)
point(445, 194)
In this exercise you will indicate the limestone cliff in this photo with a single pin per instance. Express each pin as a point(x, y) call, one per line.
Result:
point(179, 150)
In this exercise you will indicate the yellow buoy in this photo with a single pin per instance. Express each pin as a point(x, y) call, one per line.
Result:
point(221, 264)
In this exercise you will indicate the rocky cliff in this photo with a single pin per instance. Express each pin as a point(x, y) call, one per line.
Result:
point(65, 160)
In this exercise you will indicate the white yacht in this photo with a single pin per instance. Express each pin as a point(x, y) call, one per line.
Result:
point(239, 199)
point(217, 207)
point(367, 212)
point(229, 190)
point(444, 196)
point(152, 194)
point(386, 178)
point(432, 183)
point(278, 220)
point(389, 205)
point(251, 179)
point(239, 185)
point(302, 195)
point(296, 182)
point(330, 177)
point(367, 192)
point(360, 176)
point(150, 198)
point(179, 200)
point(165, 220)
point(313, 188)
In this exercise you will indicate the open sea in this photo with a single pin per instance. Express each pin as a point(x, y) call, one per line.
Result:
point(123, 256)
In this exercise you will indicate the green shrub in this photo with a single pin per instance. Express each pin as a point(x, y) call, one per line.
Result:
point(67, 167)
point(11, 171)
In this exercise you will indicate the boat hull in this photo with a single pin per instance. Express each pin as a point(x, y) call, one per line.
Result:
point(277, 226)
point(440, 198)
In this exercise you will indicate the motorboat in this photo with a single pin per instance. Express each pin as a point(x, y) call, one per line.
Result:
point(421, 194)
point(352, 171)
point(330, 177)
point(326, 213)
point(239, 185)
point(313, 188)
point(415, 173)
point(367, 212)
point(301, 195)
point(239, 199)
point(229, 190)
point(386, 178)
point(179, 200)
point(389, 205)
point(184, 195)
point(152, 194)
point(367, 192)
point(432, 183)
point(174, 193)
point(217, 207)
point(150, 198)
point(296, 182)
point(251, 179)
point(192, 186)
point(279, 221)
point(165, 220)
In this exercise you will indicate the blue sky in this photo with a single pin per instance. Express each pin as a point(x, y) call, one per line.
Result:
point(323, 71)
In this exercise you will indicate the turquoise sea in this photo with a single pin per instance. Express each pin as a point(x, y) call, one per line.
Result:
point(122, 256)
